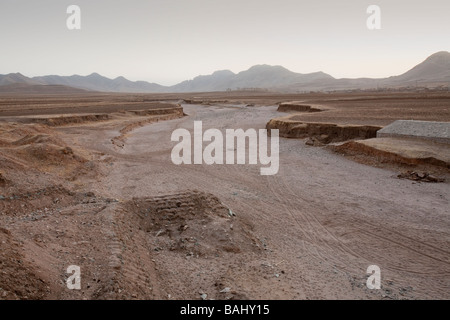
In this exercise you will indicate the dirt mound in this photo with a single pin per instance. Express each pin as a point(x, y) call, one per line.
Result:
point(49, 154)
point(156, 239)
point(31, 143)
point(323, 132)
point(18, 278)
point(17, 134)
point(35, 169)
point(11, 133)
point(18, 201)
point(193, 222)
point(35, 146)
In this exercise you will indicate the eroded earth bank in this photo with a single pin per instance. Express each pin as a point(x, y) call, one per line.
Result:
point(110, 200)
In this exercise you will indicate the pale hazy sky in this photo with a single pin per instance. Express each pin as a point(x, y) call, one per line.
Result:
point(167, 41)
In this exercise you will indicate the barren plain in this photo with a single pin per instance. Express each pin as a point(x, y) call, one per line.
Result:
point(87, 180)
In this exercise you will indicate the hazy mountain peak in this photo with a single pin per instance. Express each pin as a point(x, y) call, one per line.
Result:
point(267, 67)
point(223, 73)
point(95, 75)
point(440, 54)
point(441, 57)
point(16, 75)
point(434, 70)
point(12, 78)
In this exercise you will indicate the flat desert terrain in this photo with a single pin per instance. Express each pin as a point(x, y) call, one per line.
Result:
point(87, 180)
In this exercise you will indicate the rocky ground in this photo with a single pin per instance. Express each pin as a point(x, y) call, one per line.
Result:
point(141, 227)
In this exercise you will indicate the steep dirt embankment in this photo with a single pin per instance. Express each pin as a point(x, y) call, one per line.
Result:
point(175, 110)
point(152, 116)
point(296, 107)
point(323, 132)
point(319, 133)
point(367, 153)
point(162, 115)
point(54, 121)
point(70, 119)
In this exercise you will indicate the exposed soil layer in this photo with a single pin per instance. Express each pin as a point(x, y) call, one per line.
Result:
point(399, 151)
point(63, 120)
point(151, 116)
point(296, 107)
point(323, 132)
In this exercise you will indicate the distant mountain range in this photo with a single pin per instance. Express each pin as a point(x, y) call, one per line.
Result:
point(434, 71)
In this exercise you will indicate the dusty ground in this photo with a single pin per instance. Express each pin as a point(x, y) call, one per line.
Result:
point(141, 227)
